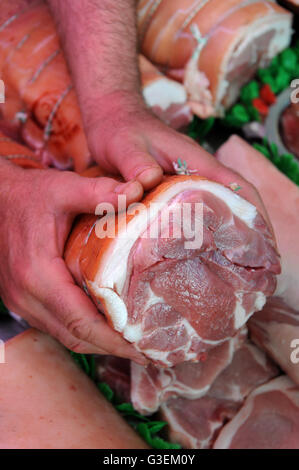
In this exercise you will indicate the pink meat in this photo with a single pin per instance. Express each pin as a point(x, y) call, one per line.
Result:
point(277, 325)
point(276, 329)
point(151, 386)
point(196, 423)
point(115, 371)
point(187, 301)
point(269, 419)
point(290, 126)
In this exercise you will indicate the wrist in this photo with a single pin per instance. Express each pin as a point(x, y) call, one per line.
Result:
point(113, 110)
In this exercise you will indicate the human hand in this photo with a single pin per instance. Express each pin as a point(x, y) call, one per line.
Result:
point(126, 138)
point(37, 210)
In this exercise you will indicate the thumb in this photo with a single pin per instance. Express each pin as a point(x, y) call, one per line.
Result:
point(77, 194)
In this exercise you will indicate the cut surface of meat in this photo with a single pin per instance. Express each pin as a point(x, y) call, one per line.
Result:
point(276, 329)
point(269, 419)
point(151, 386)
point(290, 126)
point(196, 423)
point(172, 301)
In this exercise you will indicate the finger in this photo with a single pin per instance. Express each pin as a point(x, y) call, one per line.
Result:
point(208, 166)
point(74, 193)
point(71, 306)
point(131, 158)
point(37, 316)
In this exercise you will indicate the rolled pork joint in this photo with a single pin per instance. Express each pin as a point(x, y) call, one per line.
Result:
point(269, 419)
point(47, 402)
point(196, 423)
point(165, 97)
point(213, 46)
point(18, 154)
point(277, 326)
point(175, 294)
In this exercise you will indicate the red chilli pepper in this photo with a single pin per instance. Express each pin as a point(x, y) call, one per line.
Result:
point(261, 106)
point(267, 95)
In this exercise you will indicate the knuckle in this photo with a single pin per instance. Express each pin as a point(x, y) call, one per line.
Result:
point(79, 328)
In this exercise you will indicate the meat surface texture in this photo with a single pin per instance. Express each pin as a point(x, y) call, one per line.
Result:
point(172, 302)
point(212, 46)
point(276, 327)
point(269, 419)
point(290, 126)
point(196, 423)
point(151, 386)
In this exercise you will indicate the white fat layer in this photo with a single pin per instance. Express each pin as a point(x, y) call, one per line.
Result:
point(113, 304)
point(163, 93)
point(283, 384)
point(112, 273)
point(282, 37)
point(176, 429)
point(240, 314)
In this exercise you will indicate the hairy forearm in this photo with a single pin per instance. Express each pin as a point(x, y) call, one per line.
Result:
point(100, 41)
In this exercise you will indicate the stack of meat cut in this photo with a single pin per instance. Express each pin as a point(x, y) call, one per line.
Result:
point(197, 54)
point(212, 46)
point(245, 392)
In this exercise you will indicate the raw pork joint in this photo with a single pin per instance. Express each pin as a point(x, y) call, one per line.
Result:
point(276, 326)
point(269, 419)
point(40, 97)
point(213, 46)
point(17, 153)
point(195, 423)
point(151, 386)
point(175, 303)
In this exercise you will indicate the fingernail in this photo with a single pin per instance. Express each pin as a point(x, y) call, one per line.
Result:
point(133, 190)
point(150, 177)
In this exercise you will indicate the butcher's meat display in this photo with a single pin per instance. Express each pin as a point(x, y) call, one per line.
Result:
point(151, 386)
point(214, 47)
point(47, 402)
point(196, 423)
point(290, 126)
point(41, 101)
point(277, 325)
point(175, 300)
point(269, 419)
point(276, 329)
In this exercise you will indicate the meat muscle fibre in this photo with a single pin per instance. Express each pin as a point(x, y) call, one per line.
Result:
point(151, 386)
point(173, 303)
point(269, 419)
point(213, 46)
point(195, 423)
point(276, 326)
